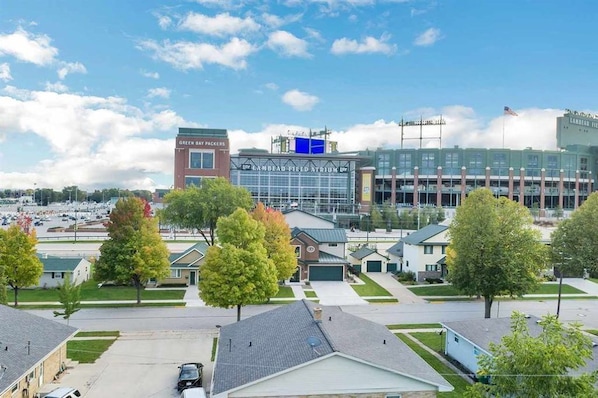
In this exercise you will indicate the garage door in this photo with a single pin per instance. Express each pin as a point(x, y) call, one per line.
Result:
point(332, 273)
point(374, 266)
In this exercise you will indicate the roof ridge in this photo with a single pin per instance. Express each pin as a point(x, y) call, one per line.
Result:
point(326, 335)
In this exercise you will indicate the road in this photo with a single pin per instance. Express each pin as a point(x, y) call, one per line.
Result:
point(171, 318)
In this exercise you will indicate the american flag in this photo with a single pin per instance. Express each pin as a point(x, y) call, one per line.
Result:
point(509, 111)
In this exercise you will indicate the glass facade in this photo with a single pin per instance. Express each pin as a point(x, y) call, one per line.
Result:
point(201, 159)
point(319, 185)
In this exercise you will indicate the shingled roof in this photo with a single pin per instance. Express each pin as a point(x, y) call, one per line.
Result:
point(59, 264)
point(278, 340)
point(427, 232)
point(25, 340)
point(323, 235)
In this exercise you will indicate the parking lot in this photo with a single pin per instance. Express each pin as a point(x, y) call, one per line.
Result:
point(143, 364)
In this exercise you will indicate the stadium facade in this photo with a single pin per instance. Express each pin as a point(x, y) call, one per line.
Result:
point(308, 172)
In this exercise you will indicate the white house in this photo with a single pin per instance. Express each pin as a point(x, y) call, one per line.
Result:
point(424, 252)
point(57, 268)
point(300, 219)
point(367, 260)
point(304, 349)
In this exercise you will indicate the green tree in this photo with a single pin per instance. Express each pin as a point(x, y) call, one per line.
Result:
point(135, 251)
point(200, 207)
point(69, 296)
point(375, 219)
point(495, 249)
point(537, 366)
point(440, 215)
point(277, 241)
point(558, 212)
point(574, 240)
point(19, 259)
point(535, 210)
point(391, 218)
point(238, 272)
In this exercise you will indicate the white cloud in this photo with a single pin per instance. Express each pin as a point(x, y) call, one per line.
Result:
point(162, 92)
point(5, 72)
point(299, 100)
point(275, 21)
point(189, 55)
point(272, 86)
point(57, 87)
point(314, 34)
point(428, 38)
point(368, 45)
point(70, 67)
point(151, 75)
point(164, 21)
point(92, 141)
point(220, 25)
point(287, 44)
point(28, 47)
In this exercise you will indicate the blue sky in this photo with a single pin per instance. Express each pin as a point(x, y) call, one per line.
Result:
point(92, 92)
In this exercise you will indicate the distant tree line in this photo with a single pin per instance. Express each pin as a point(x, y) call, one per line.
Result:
point(388, 217)
point(44, 196)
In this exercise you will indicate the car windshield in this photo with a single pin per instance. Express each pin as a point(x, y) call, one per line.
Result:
point(189, 372)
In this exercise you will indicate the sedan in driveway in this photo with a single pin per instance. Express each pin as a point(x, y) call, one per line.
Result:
point(190, 375)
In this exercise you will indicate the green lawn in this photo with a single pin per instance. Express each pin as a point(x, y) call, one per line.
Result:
point(101, 333)
point(310, 294)
point(453, 378)
point(87, 351)
point(432, 340)
point(595, 280)
point(370, 289)
point(449, 290)
point(592, 331)
point(107, 305)
point(90, 291)
point(284, 292)
point(214, 348)
point(382, 300)
point(414, 326)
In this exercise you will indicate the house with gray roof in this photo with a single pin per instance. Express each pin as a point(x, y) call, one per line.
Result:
point(466, 340)
point(423, 251)
point(320, 254)
point(395, 255)
point(302, 219)
point(185, 266)
point(304, 349)
point(57, 268)
point(32, 352)
point(366, 259)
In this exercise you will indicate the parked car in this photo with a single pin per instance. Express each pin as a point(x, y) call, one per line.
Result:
point(38, 223)
point(64, 392)
point(195, 392)
point(190, 375)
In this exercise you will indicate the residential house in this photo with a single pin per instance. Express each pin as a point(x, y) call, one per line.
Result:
point(32, 352)
point(302, 219)
point(367, 260)
point(304, 349)
point(57, 268)
point(185, 267)
point(320, 254)
point(424, 252)
point(466, 340)
point(395, 256)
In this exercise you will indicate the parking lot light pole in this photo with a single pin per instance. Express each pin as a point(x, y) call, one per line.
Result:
point(76, 216)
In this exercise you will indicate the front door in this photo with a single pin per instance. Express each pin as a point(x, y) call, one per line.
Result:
point(192, 278)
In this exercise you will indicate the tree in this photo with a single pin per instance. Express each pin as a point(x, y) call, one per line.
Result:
point(135, 251)
point(558, 212)
point(546, 365)
point(69, 296)
point(495, 250)
point(200, 207)
point(277, 240)
point(574, 240)
point(391, 218)
point(19, 259)
point(238, 272)
point(375, 219)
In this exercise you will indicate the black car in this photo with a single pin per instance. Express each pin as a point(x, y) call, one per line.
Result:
point(190, 375)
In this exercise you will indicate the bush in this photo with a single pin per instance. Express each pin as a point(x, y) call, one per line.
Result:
point(434, 280)
point(353, 270)
point(408, 276)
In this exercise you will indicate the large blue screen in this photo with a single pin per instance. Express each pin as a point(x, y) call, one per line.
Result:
point(302, 145)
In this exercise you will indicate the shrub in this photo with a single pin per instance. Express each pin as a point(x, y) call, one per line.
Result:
point(408, 276)
point(434, 280)
point(353, 270)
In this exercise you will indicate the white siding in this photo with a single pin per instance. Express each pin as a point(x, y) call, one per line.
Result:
point(374, 257)
point(416, 256)
point(338, 250)
point(332, 375)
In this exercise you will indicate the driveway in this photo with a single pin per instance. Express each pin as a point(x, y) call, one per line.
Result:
point(143, 364)
point(394, 287)
point(336, 293)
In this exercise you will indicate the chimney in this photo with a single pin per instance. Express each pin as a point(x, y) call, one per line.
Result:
point(318, 314)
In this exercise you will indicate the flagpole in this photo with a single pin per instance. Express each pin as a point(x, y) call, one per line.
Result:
point(503, 131)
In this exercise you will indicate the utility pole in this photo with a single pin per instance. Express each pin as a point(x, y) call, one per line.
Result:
point(76, 216)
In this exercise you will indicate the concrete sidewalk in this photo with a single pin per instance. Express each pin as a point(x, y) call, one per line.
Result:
point(395, 288)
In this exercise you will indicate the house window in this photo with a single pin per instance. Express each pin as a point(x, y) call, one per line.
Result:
point(332, 244)
point(431, 267)
point(57, 275)
point(298, 251)
point(201, 159)
point(456, 340)
point(428, 249)
point(14, 388)
point(175, 273)
point(443, 249)
point(476, 352)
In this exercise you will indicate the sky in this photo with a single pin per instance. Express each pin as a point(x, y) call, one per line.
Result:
point(92, 93)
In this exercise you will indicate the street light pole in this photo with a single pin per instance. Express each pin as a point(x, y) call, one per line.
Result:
point(76, 216)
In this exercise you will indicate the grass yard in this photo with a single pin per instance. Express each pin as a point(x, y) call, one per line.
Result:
point(310, 294)
point(432, 340)
point(382, 300)
point(370, 289)
point(449, 290)
point(101, 333)
point(87, 351)
point(214, 348)
point(107, 305)
point(414, 326)
point(453, 378)
point(284, 292)
point(91, 292)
